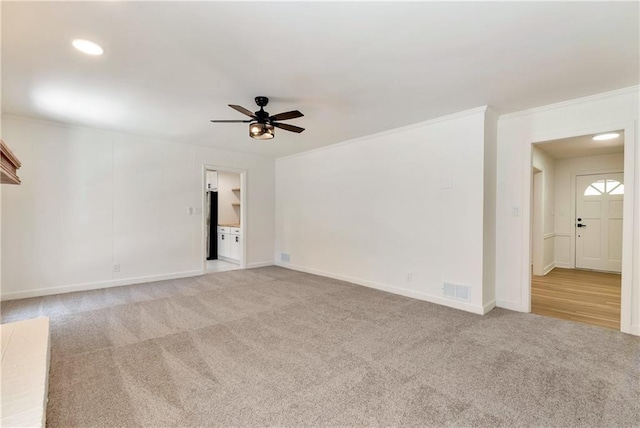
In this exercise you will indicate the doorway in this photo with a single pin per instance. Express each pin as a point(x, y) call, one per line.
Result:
point(577, 248)
point(224, 231)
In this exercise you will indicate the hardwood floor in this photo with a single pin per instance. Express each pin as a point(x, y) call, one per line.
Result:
point(578, 295)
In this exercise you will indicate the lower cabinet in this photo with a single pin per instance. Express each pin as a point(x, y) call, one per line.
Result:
point(236, 247)
point(224, 245)
point(230, 243)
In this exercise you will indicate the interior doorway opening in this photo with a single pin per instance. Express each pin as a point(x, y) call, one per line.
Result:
point(224, 231)
point(576, 228)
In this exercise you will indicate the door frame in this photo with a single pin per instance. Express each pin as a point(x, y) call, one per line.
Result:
point(573, 195)
point(537, 222)
point(628, 233)
point(243, 211)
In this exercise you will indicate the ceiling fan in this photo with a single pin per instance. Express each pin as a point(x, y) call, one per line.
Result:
point(261, 124)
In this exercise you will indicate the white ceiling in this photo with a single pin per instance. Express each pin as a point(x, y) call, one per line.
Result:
point(582, 146)
point(352, 68)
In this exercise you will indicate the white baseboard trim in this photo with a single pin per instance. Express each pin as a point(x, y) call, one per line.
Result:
point(259, 264)
point(563, 265)
point(228, 260)
point(548, 268)
point(456, 304)
point(512, 306)
point(634, 330)
point(488, 307)
point(37, 292)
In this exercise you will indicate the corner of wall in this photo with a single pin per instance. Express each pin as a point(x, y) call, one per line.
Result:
point(489, 208)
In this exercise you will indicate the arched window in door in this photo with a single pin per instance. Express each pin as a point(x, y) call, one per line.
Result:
point(599, 187)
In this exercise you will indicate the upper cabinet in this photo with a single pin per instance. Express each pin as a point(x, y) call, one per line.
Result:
point(10, 165)
point(212, 180)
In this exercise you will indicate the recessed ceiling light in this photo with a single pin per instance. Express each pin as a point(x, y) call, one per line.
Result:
point(87, 47)
point(609, 136)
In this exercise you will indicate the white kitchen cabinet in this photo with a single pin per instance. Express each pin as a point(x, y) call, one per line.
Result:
point(235, 251)
point(224, 245)
point(212, 180)
point(230, 243)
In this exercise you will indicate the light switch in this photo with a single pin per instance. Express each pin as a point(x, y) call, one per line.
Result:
point(515, 211)
point(190, 210)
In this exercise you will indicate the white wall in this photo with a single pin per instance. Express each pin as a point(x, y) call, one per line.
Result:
point(337, 209)
point(543, 240)
point(516, 132)
point(564, 221)
point(227, 213)
point(93, 198)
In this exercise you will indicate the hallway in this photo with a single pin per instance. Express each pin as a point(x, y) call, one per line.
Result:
point(578, 295)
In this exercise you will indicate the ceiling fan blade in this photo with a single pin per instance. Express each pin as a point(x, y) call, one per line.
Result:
point(287, 115)
point(231, 121)
point(288, 127)
point(242, 110)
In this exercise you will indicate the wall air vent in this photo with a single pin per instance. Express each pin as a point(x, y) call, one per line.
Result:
point(457, 291)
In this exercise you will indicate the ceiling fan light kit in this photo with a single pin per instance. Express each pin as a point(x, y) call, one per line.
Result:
point(261, 131)
point(262, 126)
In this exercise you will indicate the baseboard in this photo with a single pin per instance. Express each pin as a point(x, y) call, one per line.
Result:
point(512, 306)
point(488, 307)
point(548, 268)
point(259, 264)
point(228, 260)
point(634, 330)
point(456, 304)
point(37, 292)
point(563, 265)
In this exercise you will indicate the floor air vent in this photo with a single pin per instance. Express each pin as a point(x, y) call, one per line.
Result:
point(456, 291)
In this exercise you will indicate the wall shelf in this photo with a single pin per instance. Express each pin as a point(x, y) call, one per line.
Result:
point(9, 165)
point(235, 189)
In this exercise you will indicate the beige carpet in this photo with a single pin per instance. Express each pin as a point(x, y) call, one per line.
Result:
point(271, 346)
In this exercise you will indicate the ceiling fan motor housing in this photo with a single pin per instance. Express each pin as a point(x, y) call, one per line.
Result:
point(261, 115)
point(262, 101)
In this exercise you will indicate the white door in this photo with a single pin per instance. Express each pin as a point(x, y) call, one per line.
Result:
point(599, 222)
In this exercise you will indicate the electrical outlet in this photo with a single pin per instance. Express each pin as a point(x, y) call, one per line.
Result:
point(409, 276)
point(284, 257)
point(116, 267)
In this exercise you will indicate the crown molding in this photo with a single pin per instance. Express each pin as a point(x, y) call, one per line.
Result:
point(572, 102)
point(392, 131)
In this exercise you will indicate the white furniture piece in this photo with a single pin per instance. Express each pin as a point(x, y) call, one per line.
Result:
point(235, 252)
point(224, 241)
point(212, 180)
point(230, 243)
point(25, 372)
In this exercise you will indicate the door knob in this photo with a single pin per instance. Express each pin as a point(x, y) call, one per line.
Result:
point(581, 225)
